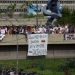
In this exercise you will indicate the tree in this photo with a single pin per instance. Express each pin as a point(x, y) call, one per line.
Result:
point(1, 11)
point(11, 8)
point(26, 4)
point(73, 17)
point(66, 16)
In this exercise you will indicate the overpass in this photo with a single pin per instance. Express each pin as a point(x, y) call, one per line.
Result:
point(57, 47)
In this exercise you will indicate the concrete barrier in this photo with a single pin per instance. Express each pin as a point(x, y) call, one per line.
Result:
point(57, 47)
point(18, 22)
point(54, 51)
point(52, 39)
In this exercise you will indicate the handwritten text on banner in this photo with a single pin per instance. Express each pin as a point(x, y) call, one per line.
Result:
point(37, 44)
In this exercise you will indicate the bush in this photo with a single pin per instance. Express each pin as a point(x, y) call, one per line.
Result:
point(26, 16)
point(69, 64)
point(40, 15)
point(42, 66)
point(63, 67)
point(32, 16)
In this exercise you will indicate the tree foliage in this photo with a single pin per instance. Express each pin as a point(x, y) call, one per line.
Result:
point(65, 12)
point(27, 3)
point(11, 9)
point(1, 11)
point(66, 16)
point(73, 17)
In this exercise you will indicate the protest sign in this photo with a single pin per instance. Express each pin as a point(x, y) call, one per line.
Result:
point(2, 36)
point(37, 44)
point(69, 36)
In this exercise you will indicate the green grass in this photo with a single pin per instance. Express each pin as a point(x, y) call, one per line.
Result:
point(42, 66)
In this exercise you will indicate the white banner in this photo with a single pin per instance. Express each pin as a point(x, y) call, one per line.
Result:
point(2, 36)
point(69, 36)
point(37, 44)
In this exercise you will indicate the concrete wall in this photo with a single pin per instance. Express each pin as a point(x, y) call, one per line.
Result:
point(57, 47)
point(61, 51)
point(17, 22)
point(52, 39)
point(54, 51)
point(10, 52)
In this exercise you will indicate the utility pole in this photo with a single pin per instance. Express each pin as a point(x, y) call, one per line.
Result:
point(17, 49)
point(17, 54)
point(37, 13)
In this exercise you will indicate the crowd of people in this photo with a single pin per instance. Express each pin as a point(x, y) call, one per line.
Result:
point(40, 29)
point(13, 71)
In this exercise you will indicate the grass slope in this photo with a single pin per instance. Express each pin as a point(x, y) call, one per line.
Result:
point(41, 66)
